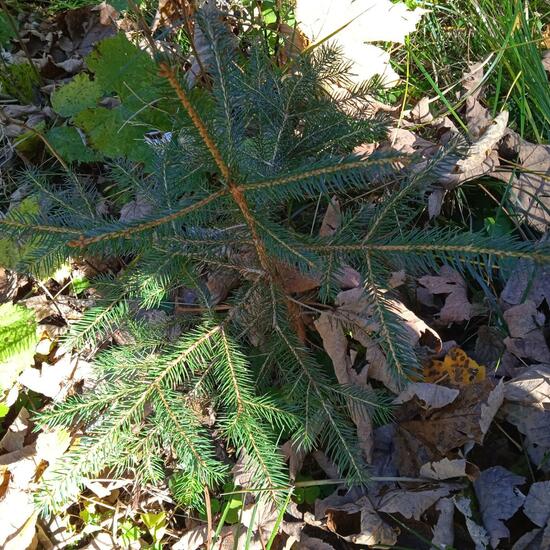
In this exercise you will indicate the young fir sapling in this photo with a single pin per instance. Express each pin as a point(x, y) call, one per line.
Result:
point(256, 143)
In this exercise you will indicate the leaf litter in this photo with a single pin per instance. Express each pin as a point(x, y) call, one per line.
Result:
point(440, 423)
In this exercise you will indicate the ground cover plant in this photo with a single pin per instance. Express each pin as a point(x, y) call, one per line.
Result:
point(252, 281)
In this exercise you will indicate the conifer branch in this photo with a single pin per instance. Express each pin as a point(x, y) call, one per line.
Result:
point(232, 373)
point(435, 249)
point(39, 228)
point(151, 224)
point(387, 334)
point(197, 121)
point(324, 171)
point(180, 429)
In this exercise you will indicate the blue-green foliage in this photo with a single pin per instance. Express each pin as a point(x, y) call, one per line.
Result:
point(254, 145)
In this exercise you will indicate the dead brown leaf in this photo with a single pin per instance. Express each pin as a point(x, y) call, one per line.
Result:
point(14, 437)
point(499, 500)
point(457, 307)
point(358, 522)
point(86, 26)
point(528, 281)
point(466, 419)
point(477, 532)
point(526, 338)
point(432, 396)
point(336, 345)
point(529, 185)
point(332, 219)
point(532, 190)
point(443, 532)
point(528, 408)
point(447, 469)
point(420, 113)
point(482, 147)
point(136, 209)
point(412, 503)
point(70, 308)
point(49, 380)
point(531, 387)
point(537, 503)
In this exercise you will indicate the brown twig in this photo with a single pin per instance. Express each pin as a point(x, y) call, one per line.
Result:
point(208, 518)
point(144, 27)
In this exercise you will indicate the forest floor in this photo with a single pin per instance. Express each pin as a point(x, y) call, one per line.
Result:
point(465, 463)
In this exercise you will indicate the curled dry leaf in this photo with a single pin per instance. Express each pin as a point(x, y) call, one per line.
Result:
point(528, 408)
point(481, 148)
point(14, 437)
point(136, 209)
point(499, 499)
point(432, 396)
point(71, 308)
point(420, 113)
point(332, 219)
point(18, 470)
point(531, 387)
point(537, 539)
point(532, 192)
point(336, 346)
point(49, 380)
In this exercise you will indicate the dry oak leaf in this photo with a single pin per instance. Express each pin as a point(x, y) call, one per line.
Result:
point(19, 469)
point(353, 315)
point(528, 408)
point(532, 189)
point(499, 500)
point(457, 307)
point(456, 369)
point(536, 539)
point(481, 149)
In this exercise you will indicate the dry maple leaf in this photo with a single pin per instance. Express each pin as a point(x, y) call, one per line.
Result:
point(351, 23)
